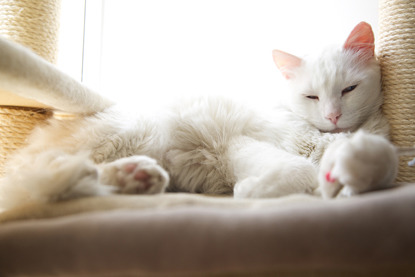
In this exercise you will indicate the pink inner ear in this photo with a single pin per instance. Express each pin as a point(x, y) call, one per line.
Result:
point(285, 62)
point(361, 39)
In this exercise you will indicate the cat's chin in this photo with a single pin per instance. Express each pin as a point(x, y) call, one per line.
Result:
point(337, 130)
point(334, 129)
point(341, 130)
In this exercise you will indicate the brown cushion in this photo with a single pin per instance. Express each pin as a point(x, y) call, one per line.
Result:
point(364, 235)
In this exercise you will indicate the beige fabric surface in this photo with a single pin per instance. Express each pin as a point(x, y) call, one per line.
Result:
point(369, 235)
point(146, 202)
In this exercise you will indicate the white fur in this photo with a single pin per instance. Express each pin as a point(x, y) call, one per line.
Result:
point(358, 164)
point(216, 146)
point(27, 75)
point(50, 175)
point(262, 170)
point(326, 76)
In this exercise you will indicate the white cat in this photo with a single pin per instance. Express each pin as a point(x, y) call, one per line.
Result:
point(331, 134)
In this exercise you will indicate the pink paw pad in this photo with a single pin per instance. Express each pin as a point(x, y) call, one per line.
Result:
point(144, 177)
point(139, 175)
point(136, 175)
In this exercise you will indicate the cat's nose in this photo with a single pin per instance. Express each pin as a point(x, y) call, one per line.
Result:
point(333, 117)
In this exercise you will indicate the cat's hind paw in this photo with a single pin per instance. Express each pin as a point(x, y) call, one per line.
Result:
point(135, 175)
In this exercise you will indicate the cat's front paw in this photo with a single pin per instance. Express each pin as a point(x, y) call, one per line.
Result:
point(136, 175)
point(358, 164)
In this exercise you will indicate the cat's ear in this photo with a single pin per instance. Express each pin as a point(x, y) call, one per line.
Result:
point(286, 63)
point(361, 40)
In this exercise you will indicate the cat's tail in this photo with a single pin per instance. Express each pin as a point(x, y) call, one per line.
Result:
point(25, 74)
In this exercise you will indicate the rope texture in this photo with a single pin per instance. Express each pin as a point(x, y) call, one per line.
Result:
point(397, 58)
point(15, 125)
point(33, 23)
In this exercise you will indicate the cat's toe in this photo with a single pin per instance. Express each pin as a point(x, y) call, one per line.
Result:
point(141, 176)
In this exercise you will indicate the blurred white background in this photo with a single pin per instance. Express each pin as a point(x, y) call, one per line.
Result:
point(145, 53)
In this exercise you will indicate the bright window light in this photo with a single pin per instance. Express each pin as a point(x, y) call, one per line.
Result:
point(148, 53)
point(71, 37)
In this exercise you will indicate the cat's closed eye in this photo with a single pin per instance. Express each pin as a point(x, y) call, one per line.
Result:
point(313, 97)
point(348, 89)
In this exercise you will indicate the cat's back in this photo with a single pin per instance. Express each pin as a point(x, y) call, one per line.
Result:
point(200, 133)
point(211, 121)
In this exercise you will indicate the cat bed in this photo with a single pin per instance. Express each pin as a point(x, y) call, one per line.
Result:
point(194, 235)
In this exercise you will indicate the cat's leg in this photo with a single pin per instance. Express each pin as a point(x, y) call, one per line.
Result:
point(262, 170)
point(358, 164)
point(135, 174)
point(54, 175)
point(49, 176)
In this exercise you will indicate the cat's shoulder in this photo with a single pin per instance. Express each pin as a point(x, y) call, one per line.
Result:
point(377, 124)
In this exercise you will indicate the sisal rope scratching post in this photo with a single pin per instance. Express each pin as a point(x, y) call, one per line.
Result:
point(34, 24)
point(397, 58)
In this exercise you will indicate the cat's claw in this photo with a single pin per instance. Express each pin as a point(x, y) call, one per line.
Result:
point(358, 164)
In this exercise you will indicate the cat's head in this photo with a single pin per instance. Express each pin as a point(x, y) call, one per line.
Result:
point(340, 88)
